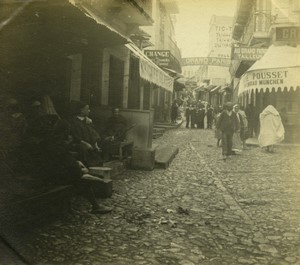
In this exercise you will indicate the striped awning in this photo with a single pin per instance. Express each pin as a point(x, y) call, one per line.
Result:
point(277, 70)
point(150, 71)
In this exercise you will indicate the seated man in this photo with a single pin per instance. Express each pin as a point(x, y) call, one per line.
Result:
point(85, 136)
point(115, 134)
point(52, 163)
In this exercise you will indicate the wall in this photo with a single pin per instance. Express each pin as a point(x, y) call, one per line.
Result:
point(121, 53)
point(141, 134)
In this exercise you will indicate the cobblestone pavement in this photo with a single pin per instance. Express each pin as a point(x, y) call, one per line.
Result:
point(201, 210)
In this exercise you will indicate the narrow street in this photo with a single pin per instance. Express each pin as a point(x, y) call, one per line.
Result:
point(200, 210)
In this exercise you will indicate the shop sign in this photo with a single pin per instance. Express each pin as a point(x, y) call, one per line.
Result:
point(206, 61)
point(159, 57)
point(263, 79)
point(248, 53)
point(288, 34)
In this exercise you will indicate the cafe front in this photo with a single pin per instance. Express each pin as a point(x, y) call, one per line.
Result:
point(275, 80)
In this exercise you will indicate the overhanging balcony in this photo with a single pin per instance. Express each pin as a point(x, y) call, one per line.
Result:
point(135, 12)
point(243, 12)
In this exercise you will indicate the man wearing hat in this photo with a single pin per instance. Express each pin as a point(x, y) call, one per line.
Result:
point(227, 124)
point(85, 136)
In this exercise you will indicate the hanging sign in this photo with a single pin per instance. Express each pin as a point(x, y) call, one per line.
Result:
point(159, 57)
point(288, 34)
point(248, 53)
point(205, 61)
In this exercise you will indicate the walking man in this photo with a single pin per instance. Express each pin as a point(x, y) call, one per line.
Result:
point(228, 124)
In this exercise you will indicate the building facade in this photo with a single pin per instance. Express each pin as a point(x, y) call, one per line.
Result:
point(216, 77)
point(81, 50)
point(164, 52)
point(266, 35)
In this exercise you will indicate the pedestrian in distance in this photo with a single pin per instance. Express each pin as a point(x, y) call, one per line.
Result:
point(218, 133)
point(201, 113)
point(174, 111)
point(193, 114)
point(228, 124)
point(209, 116)
point(236, 140)
point(188, 114)
point(244, 129)
point(271, 128)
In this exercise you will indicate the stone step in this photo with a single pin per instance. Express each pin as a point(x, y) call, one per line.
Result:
point(157, 135)
point(117, 167)
point(159, 129)
point(164, 155)
point(167, 126)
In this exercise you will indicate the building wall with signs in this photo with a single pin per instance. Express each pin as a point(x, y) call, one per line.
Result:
point(220, 36)
point(280, 19)
point(162, 32)
point(219, 46)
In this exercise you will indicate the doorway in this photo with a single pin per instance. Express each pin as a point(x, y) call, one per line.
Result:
point(116, 81)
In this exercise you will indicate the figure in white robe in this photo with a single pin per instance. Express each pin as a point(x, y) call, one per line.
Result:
point(271, 128)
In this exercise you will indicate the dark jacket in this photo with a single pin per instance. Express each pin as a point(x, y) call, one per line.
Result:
point(228, 124)
point(83, 131)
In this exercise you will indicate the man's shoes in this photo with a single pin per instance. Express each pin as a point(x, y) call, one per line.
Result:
point(101, 210)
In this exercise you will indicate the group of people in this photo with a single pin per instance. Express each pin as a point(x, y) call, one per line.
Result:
point(232, 129)
point(56, 150)
point(195, 113)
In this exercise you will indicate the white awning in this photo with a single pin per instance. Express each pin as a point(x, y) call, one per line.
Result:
point(150, 71)
point(279, 68)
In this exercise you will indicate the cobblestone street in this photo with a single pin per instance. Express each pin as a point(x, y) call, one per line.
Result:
point(201, 210)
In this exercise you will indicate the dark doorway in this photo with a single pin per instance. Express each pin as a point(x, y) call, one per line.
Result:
point(146, 99)
point(116, 75)
point(134, 84)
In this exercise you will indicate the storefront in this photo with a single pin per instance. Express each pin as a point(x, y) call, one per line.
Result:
point(275, 80)
point(156, 86)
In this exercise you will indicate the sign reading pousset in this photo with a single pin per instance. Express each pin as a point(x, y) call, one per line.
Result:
point(269, 78)
point(288, 34)
point(206, 61)
point(248, 53)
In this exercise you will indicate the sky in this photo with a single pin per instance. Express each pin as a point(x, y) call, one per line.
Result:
point(192, 26)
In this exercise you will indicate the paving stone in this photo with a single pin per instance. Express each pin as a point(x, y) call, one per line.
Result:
point(244, 206)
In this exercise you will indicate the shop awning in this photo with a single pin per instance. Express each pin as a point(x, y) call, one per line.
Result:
point(225, 88)
point(279, 68)
point(215, 89)
point(68, 23)
point(150, 71)
point(108, 33)
point(209, 88)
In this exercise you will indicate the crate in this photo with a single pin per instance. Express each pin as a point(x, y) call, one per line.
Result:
point(143, 159)
point(103, 188)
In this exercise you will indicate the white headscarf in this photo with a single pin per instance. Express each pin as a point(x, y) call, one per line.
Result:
point(271, 127)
